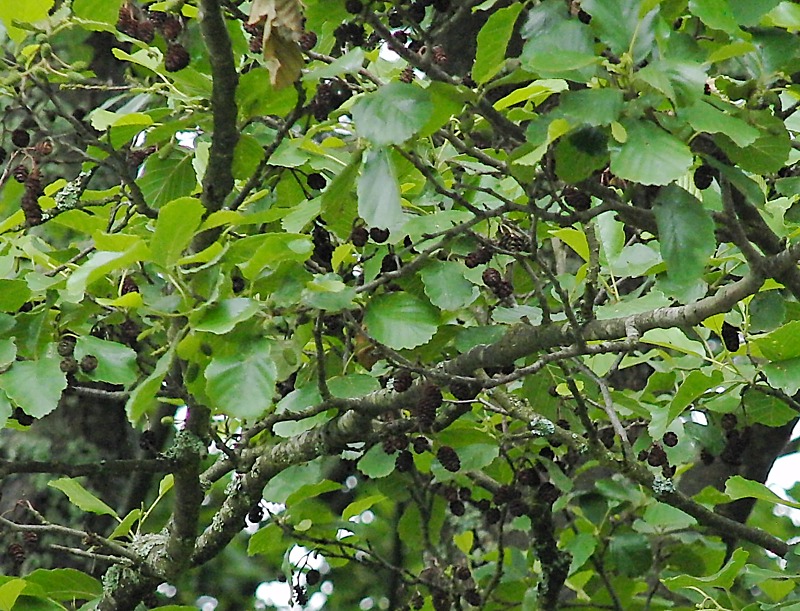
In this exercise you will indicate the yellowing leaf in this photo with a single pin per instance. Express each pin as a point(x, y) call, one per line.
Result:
point(283, 25)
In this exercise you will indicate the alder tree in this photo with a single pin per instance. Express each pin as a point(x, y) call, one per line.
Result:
point(398, 305)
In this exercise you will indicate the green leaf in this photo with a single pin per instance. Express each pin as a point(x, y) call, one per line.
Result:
point(770, 150)
point(536, 93)
point(591, 106)
point(446, 286)
point(376, 463)
point(353, 386)
point(400, 320)
point(767, 409)
point(492, 42)
point(476, 448)
point(165, 180)
point(13, 294)
point(144, 396)
point(106, 11)
point(379, 193)
point(255, 96)
point(447, 101)
point(125, 527)
point(685, 233)
point(35, 386)
point(328, 292)
point(267, 540)
point(630, 553)
point(580, 548)
point(780, 344)
point(275, 248)
point(557, 45)
point(116, 363)
point(101, 264)
point(784, 375)
point(349, 63)
point(785, 15)
point(29, 11)
point(66, 584)
point(717, 14)
point(81, 497)
point(291, 479)
point(247, 156)
point(749, 12)
point(6, 409)
point(361, 505)
point(704, 117)
point(619, 23)
point(723, 578)
point(222, 317)
point(392, 114)
point(581, 154)
point(9, 593)
point(175, 227)
point(682, 82)
point(310, 491)
point(242, 384)
point(661, 517)
point(650, 155)
point(695, 384)
point(338, 203)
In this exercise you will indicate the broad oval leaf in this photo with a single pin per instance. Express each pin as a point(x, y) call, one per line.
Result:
point(379, 193)
point(446, 286)
point(242, 385)
point(401, 321)
point(35, 386)
point(650, 156)
point(81, 497)
point(685, 233)
point(175, 227)
point(116, 363)
point(224, 316)
point(392, 114)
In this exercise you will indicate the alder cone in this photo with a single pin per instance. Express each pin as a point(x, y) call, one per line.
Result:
point(491, 277)
point(420, 444)
point(478, 257)
point(20, 138)
point(359, 237)
point(20, 173)
point(448, 458)
point(308, 40)
point(171, 27)
point(473, 597)
point(401, 381)
point(379, 235)
point(17, 552)
point(88, 363)
point(176, 58)
point(407, 75)
point(316, 181)
point(457, 508)
point(145, 31)
point(404, 461)
point(503, 289)
point(464, 391)
point(730, 337)
point(657, 456)
point(428, 404)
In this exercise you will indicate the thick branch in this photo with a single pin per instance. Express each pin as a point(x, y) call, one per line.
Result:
point(218, 179)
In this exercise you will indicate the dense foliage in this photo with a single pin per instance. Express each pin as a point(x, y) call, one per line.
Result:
point(428, 305)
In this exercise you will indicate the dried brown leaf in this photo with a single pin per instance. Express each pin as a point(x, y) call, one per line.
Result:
point(283, 26)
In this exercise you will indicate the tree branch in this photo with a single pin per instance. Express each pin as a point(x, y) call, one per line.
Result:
point(218, 179)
